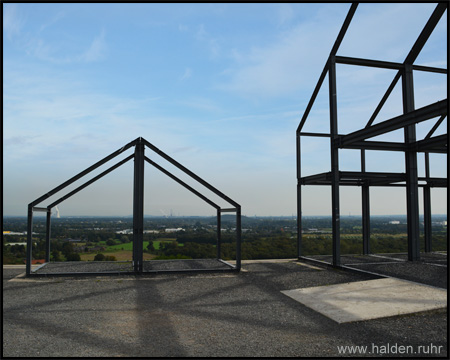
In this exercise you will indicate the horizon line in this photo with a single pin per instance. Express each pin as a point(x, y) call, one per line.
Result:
point(184, 216)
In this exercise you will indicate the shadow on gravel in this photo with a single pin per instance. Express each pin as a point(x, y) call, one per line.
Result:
point(85, 317)
point(188, 315)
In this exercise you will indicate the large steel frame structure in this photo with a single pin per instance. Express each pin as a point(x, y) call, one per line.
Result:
point(358, 140)
point(138, 204)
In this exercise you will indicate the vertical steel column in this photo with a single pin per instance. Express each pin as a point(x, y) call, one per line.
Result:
point(365, 194)
point(219, 233)
point(365, 199)
point(29, 239)
point(427, 217)
point(334, 163)
point(47, 236)
point(138, 207)
point(412, 188)
point(299, 199)
point(427, 206)
point(238, 237)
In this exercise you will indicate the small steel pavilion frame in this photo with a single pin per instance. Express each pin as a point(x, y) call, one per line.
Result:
point(138, 204)
point(358, 140)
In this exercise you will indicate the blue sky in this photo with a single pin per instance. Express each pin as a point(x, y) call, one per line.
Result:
point(219, 87)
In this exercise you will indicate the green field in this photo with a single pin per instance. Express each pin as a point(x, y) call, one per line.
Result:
point(120, 255)
point(129, 246)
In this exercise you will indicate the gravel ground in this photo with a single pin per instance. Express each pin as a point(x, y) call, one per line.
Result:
point(127, 266)
point(198, 315)
point(431, 269)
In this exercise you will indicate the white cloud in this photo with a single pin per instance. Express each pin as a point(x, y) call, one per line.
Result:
point(96, 50)
point(59, 16)
point(285, 13)
point(282, 67)
point(56, 50)
point(187, 74)
point(295, 60)
point(183, 28)
point(212, 43)
point(13, 21)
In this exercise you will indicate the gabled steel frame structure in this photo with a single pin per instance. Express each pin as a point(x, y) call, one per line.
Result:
point(138, 205)
point(358, 140)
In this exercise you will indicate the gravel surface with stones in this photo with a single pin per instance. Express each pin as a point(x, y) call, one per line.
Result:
point(431, 269)
point(195, 315)
point(78, 267)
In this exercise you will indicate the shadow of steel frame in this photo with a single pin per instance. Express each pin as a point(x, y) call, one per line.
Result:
point(138, 205)
point(357, 140)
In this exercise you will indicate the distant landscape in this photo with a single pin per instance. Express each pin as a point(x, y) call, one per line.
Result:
point(110, 238)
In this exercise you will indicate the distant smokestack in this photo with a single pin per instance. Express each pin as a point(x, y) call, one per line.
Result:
point(57, 212)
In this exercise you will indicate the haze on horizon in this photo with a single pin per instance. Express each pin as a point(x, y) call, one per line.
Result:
point(221, 88)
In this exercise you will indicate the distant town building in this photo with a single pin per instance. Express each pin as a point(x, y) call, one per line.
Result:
point(394, 222)
point(173, 230)
point(443, 223)
point(14, 233)
point(130, 232)
point(125, 232)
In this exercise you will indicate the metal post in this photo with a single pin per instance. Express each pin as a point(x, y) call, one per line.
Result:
point(29, 239)
point(365, 199)
point(427, 206)
point(238, 237)
point(334, 164)
point(365, 194)
point(299, 221)
point(219, 234)
point(47, 236)
point(412, 188)
point(138, 207)
point(299, 199)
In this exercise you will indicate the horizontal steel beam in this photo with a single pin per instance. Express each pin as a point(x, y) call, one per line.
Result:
point(436, 144)
point(322, 177)
point(427, 112)
point(385, 64)
point(370, 63)
point(181, 182)
point(228, 210)
point(373, 178)
point(359, 183)
point(40, 209)
point(314, 134)
point(231, 268)
point(377, 145)
point(372, 175)
point(430, 69)
point(434, 182)
point(355, 178)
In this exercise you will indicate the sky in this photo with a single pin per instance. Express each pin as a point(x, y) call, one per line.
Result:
point(221, 88)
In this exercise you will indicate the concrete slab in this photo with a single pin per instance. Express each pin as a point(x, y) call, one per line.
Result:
point(371, 299)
